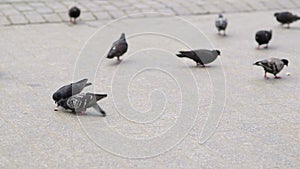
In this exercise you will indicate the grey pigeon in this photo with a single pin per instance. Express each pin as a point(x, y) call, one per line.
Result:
point(70, 90)
point(221, 24)
point(74, 13)
point(286, 17)
point(200, 56)
point(80, 102)
point(118, 48)
point(272, 65)
point(263, 37)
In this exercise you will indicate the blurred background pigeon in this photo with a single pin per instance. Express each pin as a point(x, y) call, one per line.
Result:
point(221, 24)
point(200, 56)
point(272, 65)
point(80, 102)
point(263, 37)
point(286, 18)
point(70, 90)
point(118, 48)
point(74, 13)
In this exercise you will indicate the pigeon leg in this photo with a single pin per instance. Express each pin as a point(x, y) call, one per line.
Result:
point(119, 59)
point(71, 20)
point(257, 47)
point(277, 77)
point(288, 25)
point(74, 22)
point(266, 77)
point(197, 64)
point(266, 46)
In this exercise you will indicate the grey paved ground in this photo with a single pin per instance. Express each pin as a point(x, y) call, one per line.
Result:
point(260, 123)
point(14, 12)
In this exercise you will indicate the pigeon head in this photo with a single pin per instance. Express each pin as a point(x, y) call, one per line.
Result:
point(122, 36)
point(219, 52)
point(56, 96)
point(285, 61)
point(276, 14)
point(62, 103)
point(220, 15)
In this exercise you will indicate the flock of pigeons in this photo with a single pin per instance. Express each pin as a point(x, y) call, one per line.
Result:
point(70, 97)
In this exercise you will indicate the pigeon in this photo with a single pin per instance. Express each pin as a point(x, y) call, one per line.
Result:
point(263, 37)
point(286, 18)
point(118, 48)
point(74, 13)
point(200, 56)
point(80, 102)
point(70, 90)
point(221, 24)
point(272, 65)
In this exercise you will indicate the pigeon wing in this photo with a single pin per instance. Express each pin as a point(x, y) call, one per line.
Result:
point(118, 48)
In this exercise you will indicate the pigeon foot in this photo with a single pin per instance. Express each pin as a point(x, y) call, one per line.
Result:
point(266, 77)
point(82, 113)
point(277, 77)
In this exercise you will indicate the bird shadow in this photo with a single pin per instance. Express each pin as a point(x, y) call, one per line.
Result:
point(116, 63)
point(222, 36)
point(263, 48)
point(293, 28)
point(272, 79)
point(80, 115)
point(201, 67)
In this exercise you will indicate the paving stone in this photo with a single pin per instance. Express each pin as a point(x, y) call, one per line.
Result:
point(5, 6)
point(4, 21)
point(10, 11)
point(116, 14)
point(52, 17)
point(23, 7)
point(44, 10)
point(18, 19)
point(34, 17)
point(102, 15)
point(87, 16)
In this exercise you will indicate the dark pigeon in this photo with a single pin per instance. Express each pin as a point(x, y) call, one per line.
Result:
point(272, 65)
point(263, 37)
point(74, 13)
point(286, 18)
point(70, 90)
point(200, 56)
point(118, 48)
point(221, 24)
point(80, 102)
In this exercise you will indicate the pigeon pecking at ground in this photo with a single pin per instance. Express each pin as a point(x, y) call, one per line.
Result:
point(263, 37)
point(74, 13)
point(118, 48)
point(272, 65)
point(286, 18)
point(70, 90)
point(80, 102)
point(221, 24)
point(200, 56)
